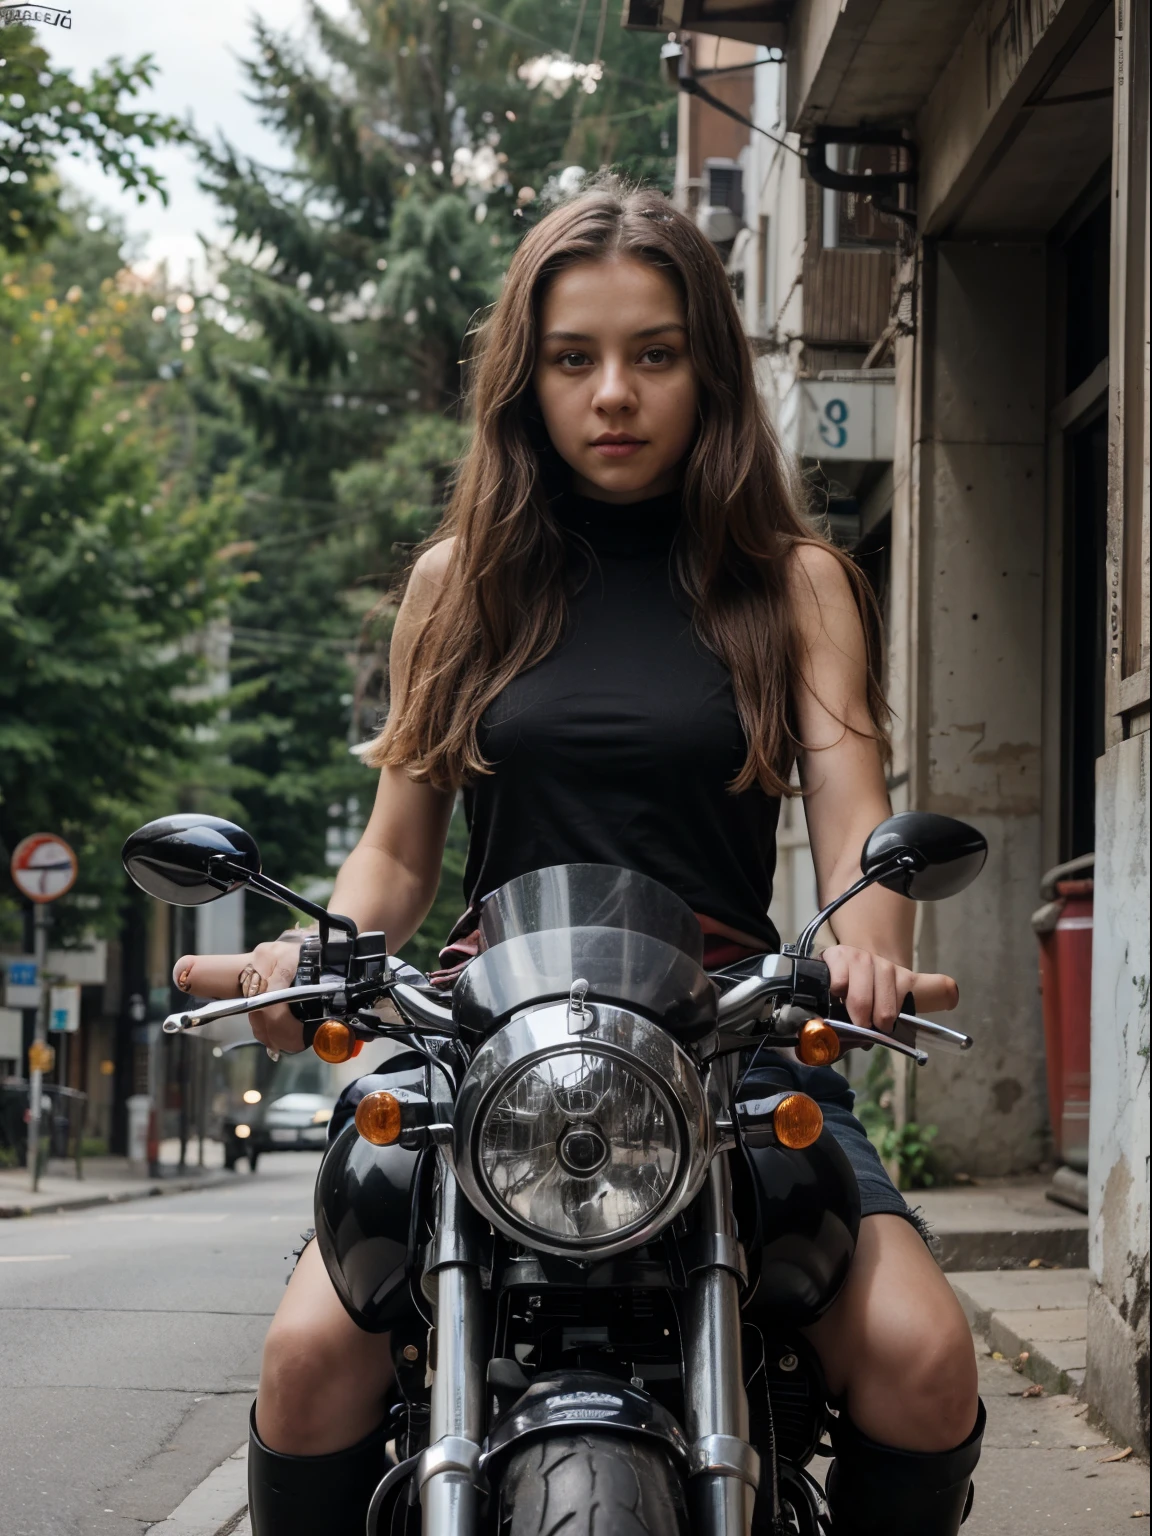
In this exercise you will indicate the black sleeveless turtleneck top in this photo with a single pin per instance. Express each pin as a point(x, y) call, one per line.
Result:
point(618, 748)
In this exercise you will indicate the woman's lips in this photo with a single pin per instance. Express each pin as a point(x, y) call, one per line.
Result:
point(617, 450)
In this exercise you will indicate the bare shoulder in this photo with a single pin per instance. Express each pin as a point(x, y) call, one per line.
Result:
point(431, 570)
point(819, 587)
point(426, 583)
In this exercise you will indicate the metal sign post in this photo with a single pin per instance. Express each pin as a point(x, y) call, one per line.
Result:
point(43, 868)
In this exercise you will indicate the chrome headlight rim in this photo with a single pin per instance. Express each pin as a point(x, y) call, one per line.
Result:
point(635, 1042)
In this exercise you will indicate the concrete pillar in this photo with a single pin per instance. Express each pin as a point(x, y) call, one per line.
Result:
point(975, 506)
point(1117, 1380)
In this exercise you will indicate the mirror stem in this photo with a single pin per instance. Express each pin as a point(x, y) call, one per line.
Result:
point(269, 887)
point(806, 940)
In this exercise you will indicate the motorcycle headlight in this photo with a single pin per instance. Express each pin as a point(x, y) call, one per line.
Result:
point(585, 1143)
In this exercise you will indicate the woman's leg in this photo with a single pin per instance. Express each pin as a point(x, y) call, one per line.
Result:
point(895, 1345)
point(323, 1380)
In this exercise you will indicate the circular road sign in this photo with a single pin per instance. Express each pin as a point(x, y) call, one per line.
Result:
point(43, 867)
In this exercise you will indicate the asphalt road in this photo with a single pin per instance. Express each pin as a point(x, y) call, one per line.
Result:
point(130, 1344)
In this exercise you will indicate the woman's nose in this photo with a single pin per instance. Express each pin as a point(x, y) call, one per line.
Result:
point(614, 389)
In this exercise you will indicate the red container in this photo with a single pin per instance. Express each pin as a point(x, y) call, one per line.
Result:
point(1066, 989)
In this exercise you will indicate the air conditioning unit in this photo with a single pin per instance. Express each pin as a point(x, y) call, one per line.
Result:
point(720, 214)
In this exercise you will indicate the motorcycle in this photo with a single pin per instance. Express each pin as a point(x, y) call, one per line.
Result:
point(593, 1249)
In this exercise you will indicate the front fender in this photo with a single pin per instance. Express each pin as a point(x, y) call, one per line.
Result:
point(584, 1400)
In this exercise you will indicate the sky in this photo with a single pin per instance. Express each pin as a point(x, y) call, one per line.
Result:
point(197, 48)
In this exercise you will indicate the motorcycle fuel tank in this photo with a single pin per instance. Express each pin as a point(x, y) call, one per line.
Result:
point(364, 1199)
point(807, 1216)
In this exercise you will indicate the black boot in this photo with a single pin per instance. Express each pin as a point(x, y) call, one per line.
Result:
point(313, 1495)
point(874, 1490)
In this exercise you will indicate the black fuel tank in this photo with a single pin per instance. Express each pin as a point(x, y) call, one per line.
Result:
point(806, 1215)
point(364, 1199)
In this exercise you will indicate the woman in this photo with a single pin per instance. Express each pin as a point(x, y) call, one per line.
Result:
point(618, 644)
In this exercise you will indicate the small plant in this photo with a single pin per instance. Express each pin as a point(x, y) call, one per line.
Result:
point(910, 1148)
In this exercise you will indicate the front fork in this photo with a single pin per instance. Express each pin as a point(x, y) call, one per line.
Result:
point(447, 1472)
point(724, 1470)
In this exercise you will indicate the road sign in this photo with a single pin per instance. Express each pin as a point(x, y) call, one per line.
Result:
point(22, 989)
point(64, 1009)
point(43, 867)
point(41, 1057)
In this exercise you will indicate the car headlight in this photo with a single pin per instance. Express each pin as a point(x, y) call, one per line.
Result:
point(584, 1143)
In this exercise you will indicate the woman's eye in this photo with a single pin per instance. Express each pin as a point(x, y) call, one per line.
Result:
point(658, 355)
point(572, 359)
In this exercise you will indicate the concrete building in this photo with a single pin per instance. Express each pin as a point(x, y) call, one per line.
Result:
point(936, 220)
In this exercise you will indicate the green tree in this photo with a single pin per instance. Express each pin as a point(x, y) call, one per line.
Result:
point(46, 115)
point(112, 569)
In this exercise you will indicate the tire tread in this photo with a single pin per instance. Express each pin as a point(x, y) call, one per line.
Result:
point(591, 1485)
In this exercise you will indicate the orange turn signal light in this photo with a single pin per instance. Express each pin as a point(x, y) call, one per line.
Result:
point(335, 1042)
point(797, 1121)
point(378, 1118)
point(819, 1044)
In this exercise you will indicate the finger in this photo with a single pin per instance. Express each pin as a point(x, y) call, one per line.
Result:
point(885, 994)
point(283, 973)
point(934, 993)
point(836, 959)
point(860, 989)
point(278, 1029)
point(209, 975)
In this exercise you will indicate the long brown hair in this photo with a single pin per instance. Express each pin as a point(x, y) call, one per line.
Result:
point(502, 607)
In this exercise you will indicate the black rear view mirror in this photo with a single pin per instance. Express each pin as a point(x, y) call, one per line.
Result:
point(191, 859)
point(916, 854)
point(924, 856)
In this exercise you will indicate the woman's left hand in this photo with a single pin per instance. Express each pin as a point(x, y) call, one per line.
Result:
point(873, 989)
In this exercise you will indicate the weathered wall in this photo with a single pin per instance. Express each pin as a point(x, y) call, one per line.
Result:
point(1117, 1380)
point(977, 506)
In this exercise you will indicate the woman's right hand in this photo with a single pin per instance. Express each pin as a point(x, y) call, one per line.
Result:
point(268, 968)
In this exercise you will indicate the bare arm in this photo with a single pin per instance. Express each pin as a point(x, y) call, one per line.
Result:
point(842, 775)
point(388, 881)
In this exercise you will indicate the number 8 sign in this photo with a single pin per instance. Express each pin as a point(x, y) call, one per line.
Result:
point(832, 428)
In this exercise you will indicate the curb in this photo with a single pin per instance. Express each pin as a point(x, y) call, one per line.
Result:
point(216, 1507)
point(1017, 1249)
point(119, 1197)
point(1002, 1338)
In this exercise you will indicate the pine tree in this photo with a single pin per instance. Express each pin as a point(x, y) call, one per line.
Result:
point(424, 140)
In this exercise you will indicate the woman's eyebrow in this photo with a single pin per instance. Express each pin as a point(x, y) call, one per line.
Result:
point(650, 330)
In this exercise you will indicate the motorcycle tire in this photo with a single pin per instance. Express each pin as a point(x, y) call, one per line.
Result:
point(591, 1485)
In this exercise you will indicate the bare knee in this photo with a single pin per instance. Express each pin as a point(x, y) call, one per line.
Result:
point(935, 1373)
point(302, 1379)
point(897, 1345)
point(323, 1380)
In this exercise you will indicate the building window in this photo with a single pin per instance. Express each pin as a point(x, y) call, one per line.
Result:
point(850, 220)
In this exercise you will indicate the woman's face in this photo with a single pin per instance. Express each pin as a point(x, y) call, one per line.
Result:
point(615, 383)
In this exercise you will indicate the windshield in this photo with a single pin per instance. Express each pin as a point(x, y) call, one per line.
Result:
point(569, 896)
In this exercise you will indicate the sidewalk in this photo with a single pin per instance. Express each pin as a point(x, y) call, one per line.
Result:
point(109, 1180)
point(1001, 1224)
point(1037, 1320)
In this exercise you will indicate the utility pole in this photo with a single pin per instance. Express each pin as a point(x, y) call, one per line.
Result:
point(40, 1056)
point(43, 869)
